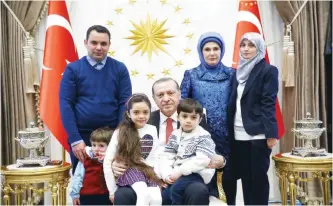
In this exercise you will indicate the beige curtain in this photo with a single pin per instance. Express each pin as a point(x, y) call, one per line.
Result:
point(308, 94)
point(18, 107)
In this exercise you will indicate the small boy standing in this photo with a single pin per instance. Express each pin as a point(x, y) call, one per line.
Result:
point(187, 154)
point(88, 182)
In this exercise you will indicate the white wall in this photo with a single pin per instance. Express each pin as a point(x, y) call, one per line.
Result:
point(205, 15)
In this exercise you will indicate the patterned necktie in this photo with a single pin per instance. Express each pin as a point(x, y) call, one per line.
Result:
point(169, 129)
point(98, 66)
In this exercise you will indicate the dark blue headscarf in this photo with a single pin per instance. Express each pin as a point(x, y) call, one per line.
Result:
point(210, 37)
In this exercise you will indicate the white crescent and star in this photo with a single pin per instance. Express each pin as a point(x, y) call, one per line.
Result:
point(249, 17)
point(57, 20)
point(246, 16)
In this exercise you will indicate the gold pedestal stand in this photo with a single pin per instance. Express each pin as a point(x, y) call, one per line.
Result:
point(289, 171)
point(56, 177)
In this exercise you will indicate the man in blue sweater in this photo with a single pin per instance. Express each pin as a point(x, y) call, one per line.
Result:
point(93, 92)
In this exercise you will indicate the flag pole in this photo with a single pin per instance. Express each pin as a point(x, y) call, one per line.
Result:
point(63, 155)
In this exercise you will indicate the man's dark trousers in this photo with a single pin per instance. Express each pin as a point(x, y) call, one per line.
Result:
point(196, 193)
point(176, 192)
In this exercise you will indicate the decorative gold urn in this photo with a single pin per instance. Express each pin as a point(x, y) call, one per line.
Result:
point(32, 139)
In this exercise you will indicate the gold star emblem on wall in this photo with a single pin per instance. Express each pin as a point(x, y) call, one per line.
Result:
point(149, 37)
point(179, 63)
point(187, 50)
point(109, 23)
point(119, 10)
point(150, 76)
point(186, 21)
point(132, 2)
point(111, 52)
point(166, 72)
point(134, 73)
point(189, 35)
point(163, 2)
point(177, 9)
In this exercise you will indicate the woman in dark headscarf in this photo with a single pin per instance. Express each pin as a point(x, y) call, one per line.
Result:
point(209, 83)
point(251, 118)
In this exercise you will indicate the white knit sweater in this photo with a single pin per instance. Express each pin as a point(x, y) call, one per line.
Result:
point(188, 153)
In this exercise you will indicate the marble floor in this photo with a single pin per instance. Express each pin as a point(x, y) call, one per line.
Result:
point(216, 202)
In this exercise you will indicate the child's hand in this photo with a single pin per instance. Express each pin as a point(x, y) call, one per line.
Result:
point(175, 176)
point(168, 180)
point(112, 198)
point(100, 156)
point(76, 201)
point(164, 185)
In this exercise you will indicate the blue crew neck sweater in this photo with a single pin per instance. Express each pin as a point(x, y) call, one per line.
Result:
point(91, 98)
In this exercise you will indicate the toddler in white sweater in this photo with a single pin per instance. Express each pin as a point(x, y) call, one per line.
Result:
point(187, 153)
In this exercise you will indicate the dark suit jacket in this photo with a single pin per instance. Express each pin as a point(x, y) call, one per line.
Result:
point(257, 102)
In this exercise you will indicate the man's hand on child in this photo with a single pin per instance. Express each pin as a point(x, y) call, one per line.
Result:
point(76, 201)
point(112, 198)
point(79, 151)
point(216, 162)
point(118, 168)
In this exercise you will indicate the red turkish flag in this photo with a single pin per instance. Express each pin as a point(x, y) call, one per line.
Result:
point(249, 21)
point(59, 51)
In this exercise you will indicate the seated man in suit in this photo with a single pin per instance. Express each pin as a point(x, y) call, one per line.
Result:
point(166, 94)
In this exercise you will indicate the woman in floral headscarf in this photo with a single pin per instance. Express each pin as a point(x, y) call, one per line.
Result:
point(251, 119)
point(210, 84)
